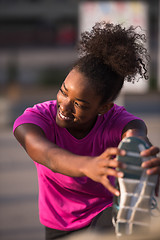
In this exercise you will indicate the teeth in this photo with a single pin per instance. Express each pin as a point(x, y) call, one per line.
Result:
point(63, 117)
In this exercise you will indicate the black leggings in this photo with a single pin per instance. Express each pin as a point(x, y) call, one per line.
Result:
point(101, 223)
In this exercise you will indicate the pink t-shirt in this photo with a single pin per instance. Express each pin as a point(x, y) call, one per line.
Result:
point(70, 203)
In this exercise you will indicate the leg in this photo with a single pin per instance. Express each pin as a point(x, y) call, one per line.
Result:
point(51, 234)
point(103, 221)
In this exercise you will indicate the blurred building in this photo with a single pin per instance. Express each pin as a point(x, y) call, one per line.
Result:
point(35, 35)
point(37, 45)
point(40, 34)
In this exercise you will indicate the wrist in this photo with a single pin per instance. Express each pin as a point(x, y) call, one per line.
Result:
point(84, 166)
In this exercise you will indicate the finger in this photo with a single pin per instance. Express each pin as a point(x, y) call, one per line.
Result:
point(150, 152)
point(154, 162)
point(110, 187)
point(115, 164)
point(153, 171)
point(113, 172)
point(113, 152)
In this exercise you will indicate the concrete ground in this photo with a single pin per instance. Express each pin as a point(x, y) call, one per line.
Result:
point(19, 188)
point(19, 192)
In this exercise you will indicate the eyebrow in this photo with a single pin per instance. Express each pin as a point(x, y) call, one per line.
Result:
point(80, 100)
point(65, 86)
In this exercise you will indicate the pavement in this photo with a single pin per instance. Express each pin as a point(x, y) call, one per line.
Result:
point(19, 192)
point(19, 186)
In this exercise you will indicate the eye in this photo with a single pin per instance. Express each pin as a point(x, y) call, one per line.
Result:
point(80, 106)
point(63, 93)
point(77, 104)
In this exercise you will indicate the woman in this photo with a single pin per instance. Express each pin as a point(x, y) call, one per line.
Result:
point(73, 141)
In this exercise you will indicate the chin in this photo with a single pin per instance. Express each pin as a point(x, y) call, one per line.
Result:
point(62, 123)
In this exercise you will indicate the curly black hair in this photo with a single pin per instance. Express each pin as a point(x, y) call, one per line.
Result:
point(110, 54)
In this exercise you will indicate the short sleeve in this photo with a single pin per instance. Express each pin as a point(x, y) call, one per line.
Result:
point(42, 115)
point(118, 120)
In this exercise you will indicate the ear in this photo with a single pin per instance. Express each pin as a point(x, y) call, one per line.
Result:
point(105, 107)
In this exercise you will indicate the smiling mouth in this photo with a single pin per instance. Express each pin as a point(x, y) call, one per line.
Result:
point(64, 117)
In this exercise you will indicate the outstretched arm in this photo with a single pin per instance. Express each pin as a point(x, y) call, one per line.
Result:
point(41, 150)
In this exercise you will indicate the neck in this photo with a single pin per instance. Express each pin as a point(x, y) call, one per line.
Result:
point(80, 133)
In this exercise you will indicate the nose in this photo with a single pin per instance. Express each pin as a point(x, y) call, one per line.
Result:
point(66, 106)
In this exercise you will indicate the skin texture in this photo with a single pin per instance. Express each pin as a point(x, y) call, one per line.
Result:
point(78, 108)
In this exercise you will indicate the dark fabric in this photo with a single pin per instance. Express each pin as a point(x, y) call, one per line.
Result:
point(101, 223)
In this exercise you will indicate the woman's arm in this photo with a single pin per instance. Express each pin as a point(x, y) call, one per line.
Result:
point(41, 150)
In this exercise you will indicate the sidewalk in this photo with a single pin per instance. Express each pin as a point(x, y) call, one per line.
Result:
point(19, 192)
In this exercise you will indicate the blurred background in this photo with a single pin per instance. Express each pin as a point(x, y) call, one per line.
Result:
point(38, 41)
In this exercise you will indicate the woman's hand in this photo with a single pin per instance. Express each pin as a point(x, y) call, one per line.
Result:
point(99, 168)
point(153, 164)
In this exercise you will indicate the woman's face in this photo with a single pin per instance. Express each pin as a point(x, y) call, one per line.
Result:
point(77, 104)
